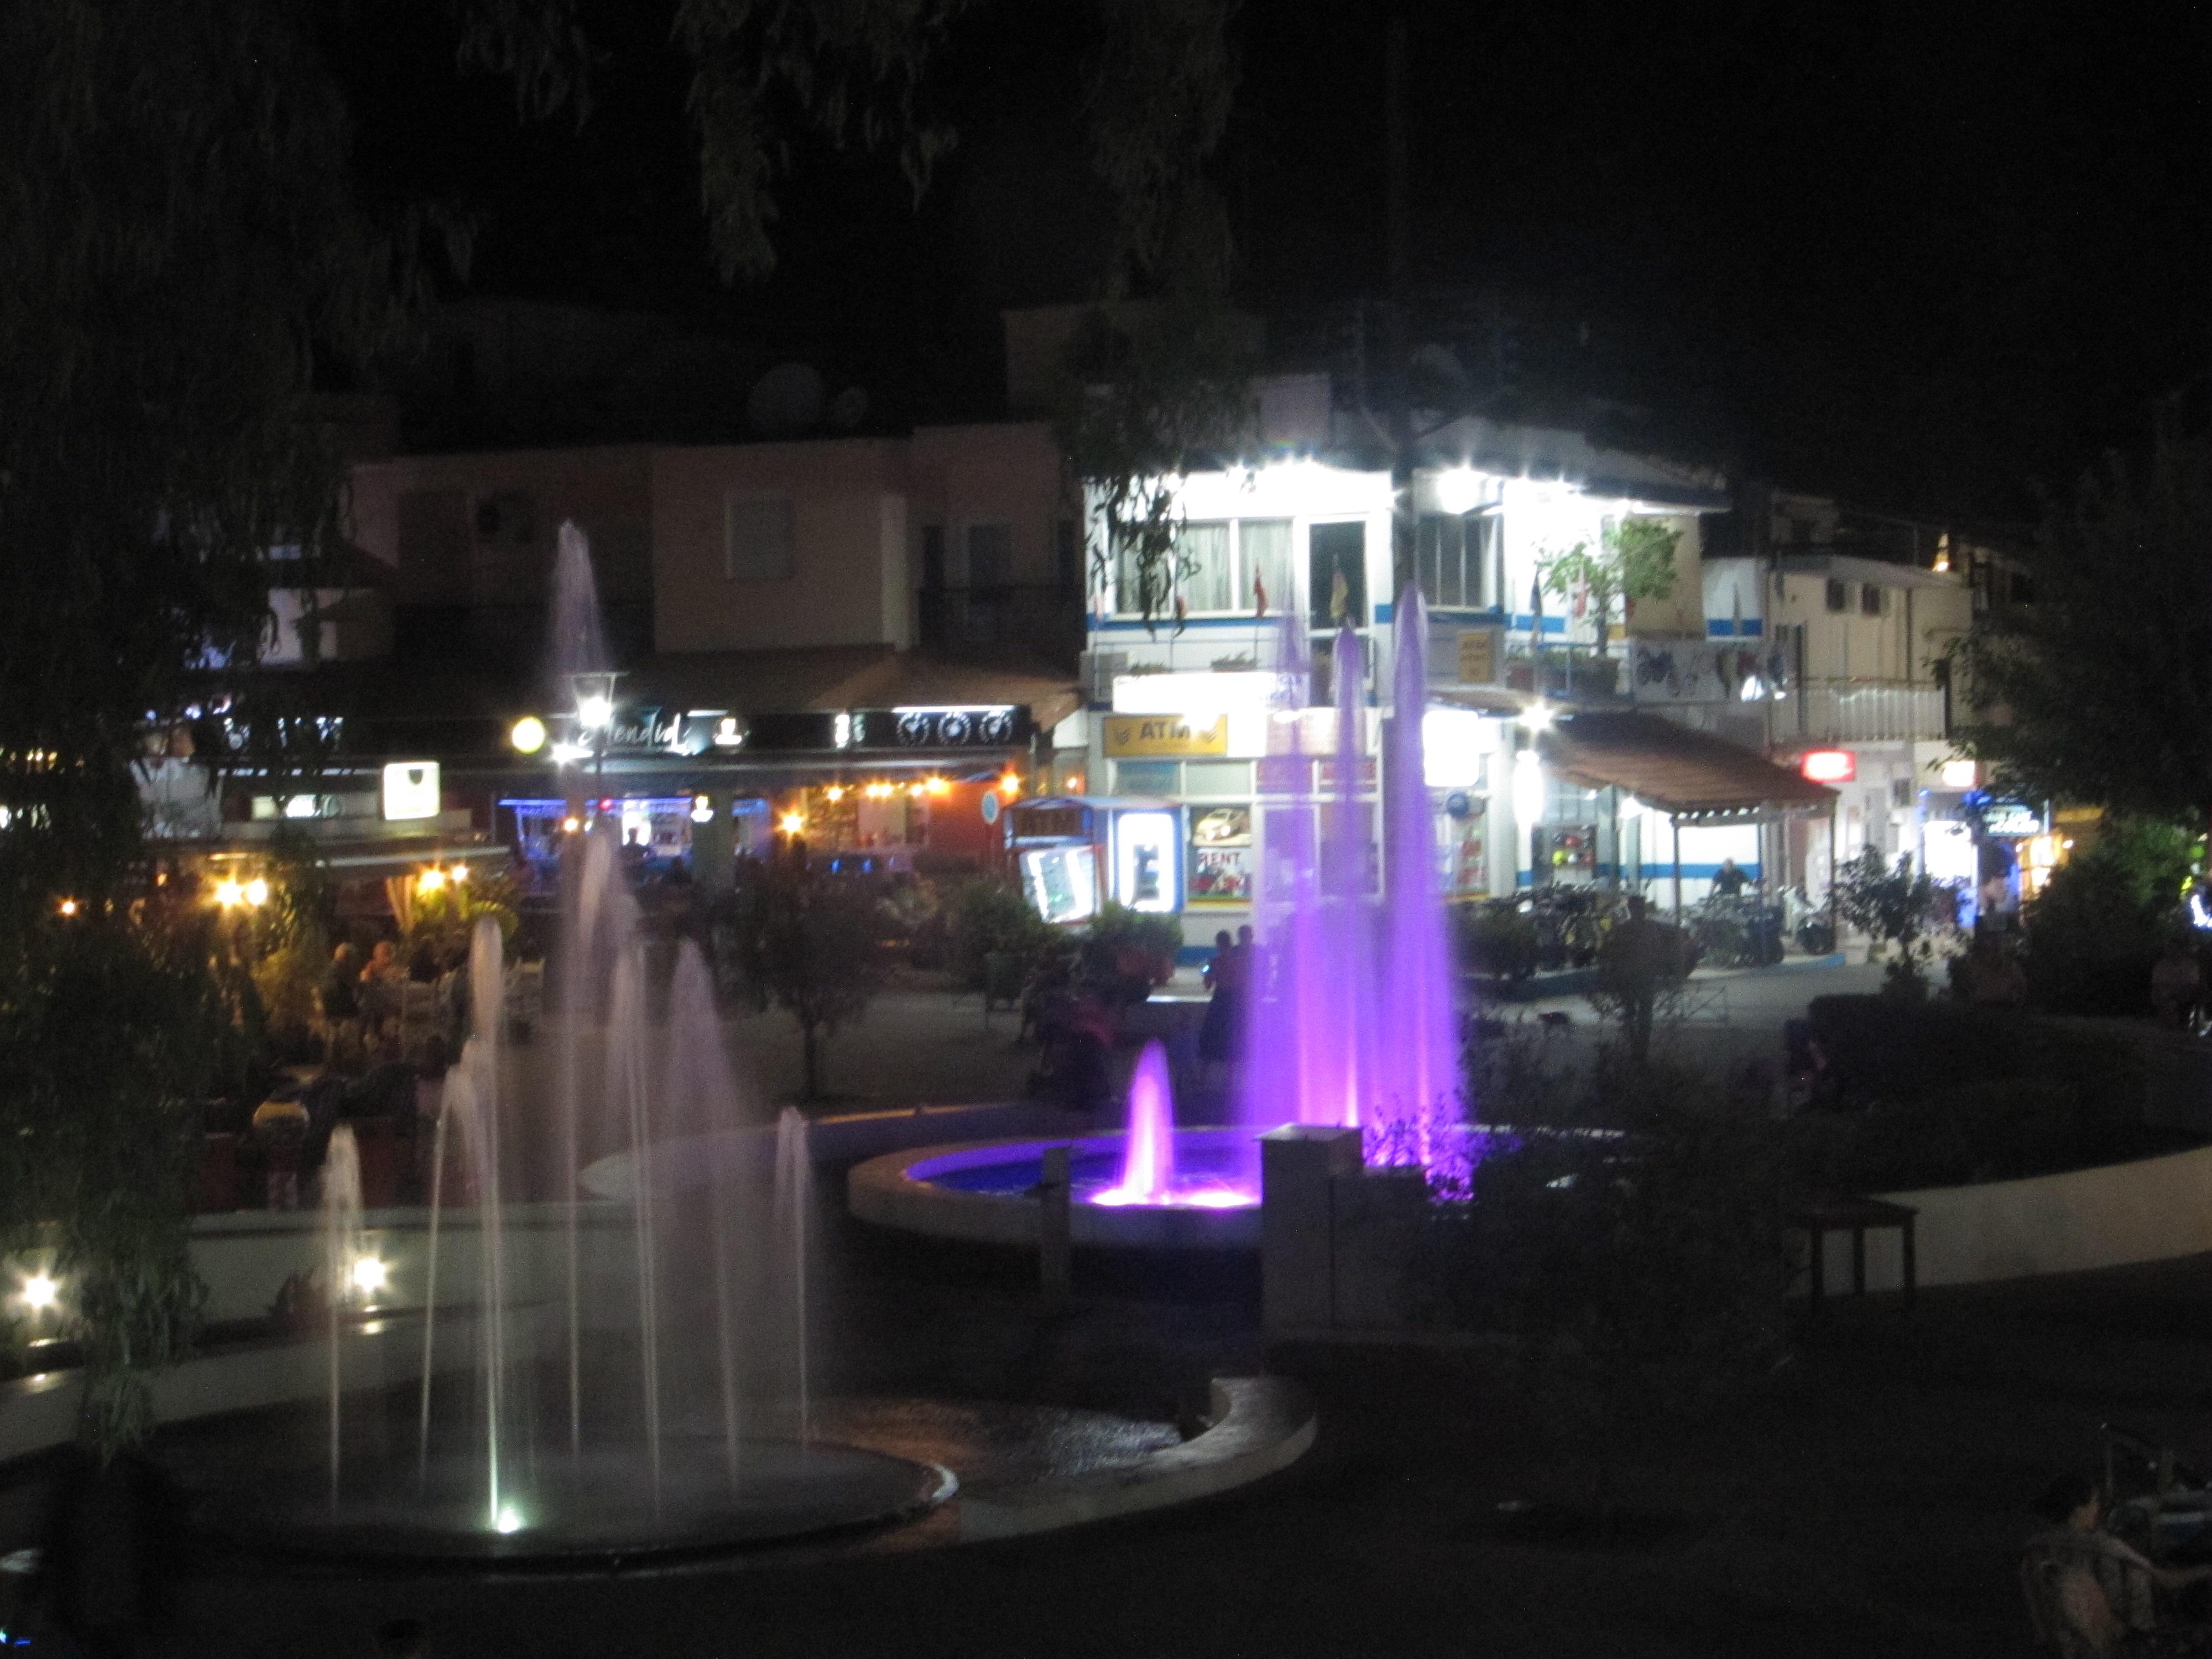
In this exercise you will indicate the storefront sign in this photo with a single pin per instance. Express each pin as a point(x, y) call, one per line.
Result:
point(1829, 766)
point(1680, 670)
point(1479, 655)
point(1133, 736)
point(2014, 820)
point(410, 790)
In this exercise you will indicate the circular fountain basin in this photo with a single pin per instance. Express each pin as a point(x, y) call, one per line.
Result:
point(599, 1509)
point(985, 1192)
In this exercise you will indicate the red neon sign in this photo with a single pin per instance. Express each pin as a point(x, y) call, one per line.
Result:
point(1830, 766)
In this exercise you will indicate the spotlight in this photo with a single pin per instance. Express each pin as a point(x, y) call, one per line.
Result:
point(430, 881)
point(368, 1274)
point(571, 825)
point(229, 893)
point(256, 892)
point(792, 824)
point(67, 907)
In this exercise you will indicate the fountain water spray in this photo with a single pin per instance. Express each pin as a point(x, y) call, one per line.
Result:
point(338, 1234)
point(1353, 1020)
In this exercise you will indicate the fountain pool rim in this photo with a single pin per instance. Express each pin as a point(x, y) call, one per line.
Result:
point(280, 1515)
point(887, 1192)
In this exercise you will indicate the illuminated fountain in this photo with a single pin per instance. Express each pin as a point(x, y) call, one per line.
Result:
point(597, 1380)
point(1349, 1019)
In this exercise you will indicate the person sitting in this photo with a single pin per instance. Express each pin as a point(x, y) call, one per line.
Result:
point(2102, 1595)
point(1728, 881)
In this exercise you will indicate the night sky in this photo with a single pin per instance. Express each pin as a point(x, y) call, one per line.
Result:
point(1929, 256)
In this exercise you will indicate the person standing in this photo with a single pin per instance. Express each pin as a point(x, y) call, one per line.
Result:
point(1224, 977)
point(1728, 881)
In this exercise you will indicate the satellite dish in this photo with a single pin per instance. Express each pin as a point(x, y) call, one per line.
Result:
point(787, 398)
point(849, 408)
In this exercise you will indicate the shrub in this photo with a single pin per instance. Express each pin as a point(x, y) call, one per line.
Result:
point(2094, 934)
point(990, 916)
point(1494, 938)
point(1127, 952)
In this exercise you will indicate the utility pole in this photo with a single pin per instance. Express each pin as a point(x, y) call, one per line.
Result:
point(1400, 257)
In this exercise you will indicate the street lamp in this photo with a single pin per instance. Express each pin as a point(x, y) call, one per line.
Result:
point(595, 718)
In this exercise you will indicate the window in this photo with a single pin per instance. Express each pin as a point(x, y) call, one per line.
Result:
point(1338, 590)
point(990, 555)
point(1455, 556)
point(1222, 566)
point(757, 538)
point(1871, 600)
point(1839, 595)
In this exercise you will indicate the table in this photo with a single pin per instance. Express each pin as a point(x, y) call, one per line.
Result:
point(1825, 1214)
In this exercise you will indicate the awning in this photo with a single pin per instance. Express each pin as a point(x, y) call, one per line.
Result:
point(1692, 775)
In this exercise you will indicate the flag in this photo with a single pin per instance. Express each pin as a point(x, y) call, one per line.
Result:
point(1536, 612)
point(1259, 596)
point(1339, 596)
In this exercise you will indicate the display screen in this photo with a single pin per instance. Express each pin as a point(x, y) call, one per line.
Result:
point(1062, 882)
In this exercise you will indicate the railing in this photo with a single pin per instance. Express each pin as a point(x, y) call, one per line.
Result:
point(1863, 711)
point(1041, 620)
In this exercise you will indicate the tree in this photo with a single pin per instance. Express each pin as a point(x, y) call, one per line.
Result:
point(2100, 691)
point(816, 945)
point(179, 250)
point(1634, 559)
point(1898, 908)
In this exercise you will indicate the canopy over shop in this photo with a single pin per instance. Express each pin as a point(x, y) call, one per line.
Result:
point(1694, 781)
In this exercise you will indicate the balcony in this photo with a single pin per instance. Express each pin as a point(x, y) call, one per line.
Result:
point(1041, 622)
point(1862, 711)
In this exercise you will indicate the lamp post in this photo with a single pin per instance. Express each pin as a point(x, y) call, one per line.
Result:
point(595, 718)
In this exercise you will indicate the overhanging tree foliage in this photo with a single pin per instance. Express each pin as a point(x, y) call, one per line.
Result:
point(182, 261)
point(2100, 691)
point(177, 246)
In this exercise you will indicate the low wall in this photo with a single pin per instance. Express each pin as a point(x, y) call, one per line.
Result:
point(2152, 1210)
point(245, 1257)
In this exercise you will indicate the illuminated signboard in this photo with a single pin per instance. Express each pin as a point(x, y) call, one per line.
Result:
point(1148, 861)
point(1830, 766)
point(410, 790)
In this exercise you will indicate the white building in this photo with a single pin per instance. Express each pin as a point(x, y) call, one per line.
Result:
point(1178, 703)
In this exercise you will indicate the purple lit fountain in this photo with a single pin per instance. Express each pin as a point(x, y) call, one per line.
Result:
point(1349, 1013)
point(1353, 1022)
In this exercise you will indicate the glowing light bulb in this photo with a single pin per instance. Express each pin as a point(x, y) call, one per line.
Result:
point(936, 786)
point(836, 791)
point(509, 1519)
point(792, 824)
point(1538, 716)
point(527, 735)
point(430, 881)
point(368, 1274)
point(595, 712)
point(40, 1293)
point(67, 907)
point(1010, 786)
point(256, 892)
point(460, 873)
point(571, 825)
point(229, 894)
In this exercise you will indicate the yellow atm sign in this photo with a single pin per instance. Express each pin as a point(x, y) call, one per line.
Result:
point(1132, 736)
